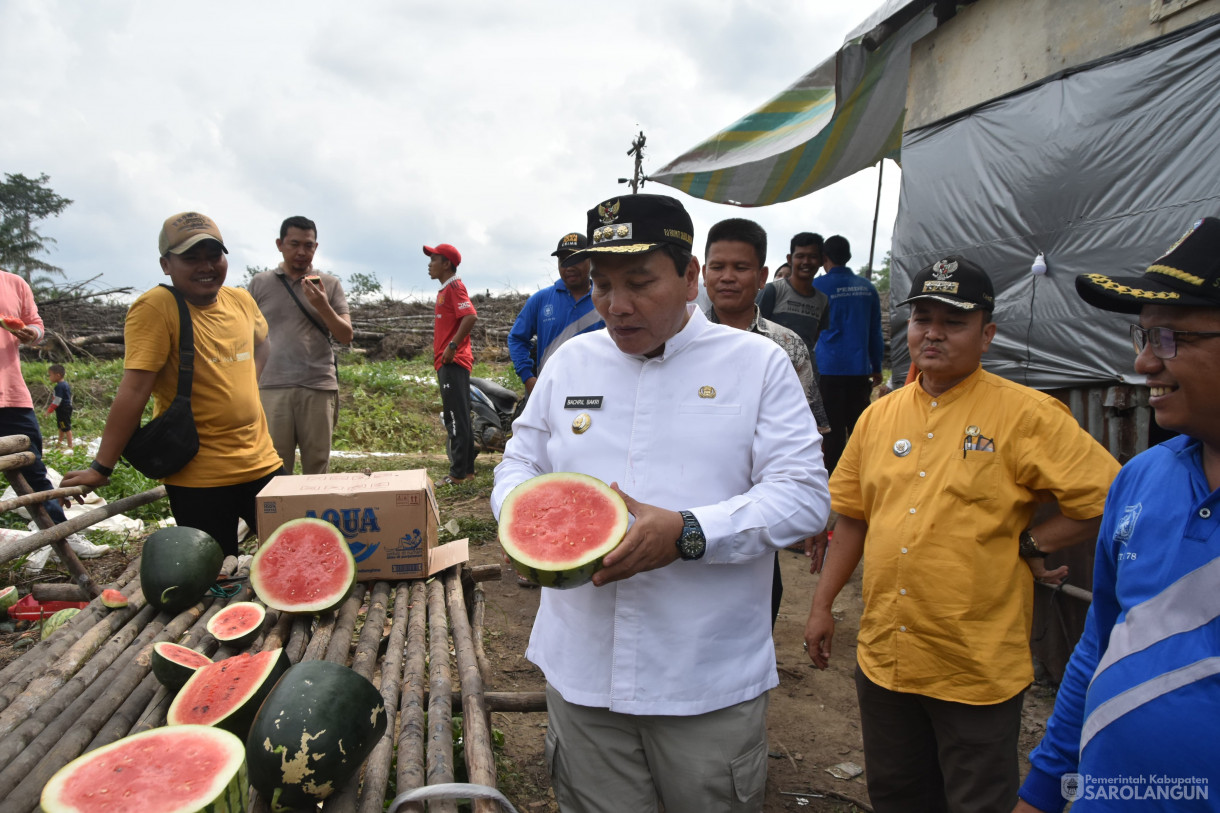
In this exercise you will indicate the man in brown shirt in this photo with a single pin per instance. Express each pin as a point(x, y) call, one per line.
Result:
point(304, 309)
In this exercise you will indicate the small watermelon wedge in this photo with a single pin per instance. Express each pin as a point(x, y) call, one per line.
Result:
point(305, 566)
point(8, 597)
point(113, 599)
point(237, 624)
point(173, 664)
point(181, 768)
point(11, 323)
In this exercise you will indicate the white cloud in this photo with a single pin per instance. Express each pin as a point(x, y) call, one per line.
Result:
point(489, 125)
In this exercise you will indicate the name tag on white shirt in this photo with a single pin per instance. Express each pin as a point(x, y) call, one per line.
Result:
point(583, 402)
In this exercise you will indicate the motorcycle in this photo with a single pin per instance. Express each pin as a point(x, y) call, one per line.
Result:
point(492, 411)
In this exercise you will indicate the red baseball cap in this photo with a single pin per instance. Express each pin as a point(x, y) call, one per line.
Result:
point(447, 251)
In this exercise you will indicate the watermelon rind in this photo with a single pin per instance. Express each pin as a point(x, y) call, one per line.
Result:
point(172, 664)
point(113, 599)
point(52, 624)
point(312, 734)
point(283, 548)
point(210, 696)
point(177, 567)
point(239, 640)
point(144, 763)
point(579, 568)
point(8, 597)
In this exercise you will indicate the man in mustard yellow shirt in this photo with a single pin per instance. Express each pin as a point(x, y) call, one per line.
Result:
point(936, 491)
point(236, 457)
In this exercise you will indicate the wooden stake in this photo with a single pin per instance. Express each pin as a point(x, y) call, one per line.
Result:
point(377, 770)
point(345, 627)
point(42, 496)
point(440, 723)
point(410, 772)
point(480, 760)
point(80, 576)
point(31, 543)
point(14, 443)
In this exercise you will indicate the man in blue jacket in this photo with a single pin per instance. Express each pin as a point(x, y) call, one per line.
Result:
point(554, 314)
point(1135, 720)
point(849, 349)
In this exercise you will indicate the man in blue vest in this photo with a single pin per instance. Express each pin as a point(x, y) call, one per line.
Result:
point(1134, 726)
point(554, 314)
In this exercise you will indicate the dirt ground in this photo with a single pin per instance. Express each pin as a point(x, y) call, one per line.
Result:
point(813, 721)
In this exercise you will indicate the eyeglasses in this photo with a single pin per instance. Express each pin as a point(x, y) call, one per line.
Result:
point(1164, 341)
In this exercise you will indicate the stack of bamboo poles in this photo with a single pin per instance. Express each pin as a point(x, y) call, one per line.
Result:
point(90, 683)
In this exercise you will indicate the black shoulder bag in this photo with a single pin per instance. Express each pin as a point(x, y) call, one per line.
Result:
point(288, 287)
point(169, 441)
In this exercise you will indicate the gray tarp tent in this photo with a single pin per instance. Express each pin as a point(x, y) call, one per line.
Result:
point(1101, 169)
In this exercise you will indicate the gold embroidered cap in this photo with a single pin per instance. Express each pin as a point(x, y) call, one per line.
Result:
point(635, 224)
point(955, 281)
point(1188, 275)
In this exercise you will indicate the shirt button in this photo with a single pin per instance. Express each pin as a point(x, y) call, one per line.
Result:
point(912, 510)
point(929, 435)
point(933, 403)
point(923, 474)
point(902, 592)
point(1205, 512)
point(904, 550)
point(902, 629)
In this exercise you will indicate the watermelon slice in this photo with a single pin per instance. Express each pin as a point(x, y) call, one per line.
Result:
point(8, 597)
point(557, 527)
point(238, 624)
point(312, 734)
point(173, 664)
point(113, 599)
point(165, 770)
point(12, 324)
point(305, 566)
point(227, 693)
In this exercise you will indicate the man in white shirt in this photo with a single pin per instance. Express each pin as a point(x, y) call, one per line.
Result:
point(657, 671)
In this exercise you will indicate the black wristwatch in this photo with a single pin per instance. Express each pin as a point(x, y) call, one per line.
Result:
point(453, 345)
point(105, 471)
point(1029, 546)
point(691, 543)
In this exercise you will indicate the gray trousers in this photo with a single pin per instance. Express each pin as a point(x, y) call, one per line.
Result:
point(603, 761)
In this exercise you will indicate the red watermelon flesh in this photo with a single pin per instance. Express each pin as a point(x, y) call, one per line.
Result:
point(113, 599)
point(165, 770)
point(227, 693)
point(173, 664)
point(305, 566)
point(237, 622)
point(12, 324)
point(557, 527)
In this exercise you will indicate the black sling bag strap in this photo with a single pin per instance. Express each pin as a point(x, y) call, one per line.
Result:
point(169, 441)
point(288, 287)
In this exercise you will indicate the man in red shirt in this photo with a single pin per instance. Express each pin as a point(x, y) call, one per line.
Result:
point(455, 316)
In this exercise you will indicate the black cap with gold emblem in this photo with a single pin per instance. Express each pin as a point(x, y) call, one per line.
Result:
point(573, 241)
point(955, 281)
point(634, 224)
point(1188, 275)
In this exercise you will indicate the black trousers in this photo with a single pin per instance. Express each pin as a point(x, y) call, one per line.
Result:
point(845, 397)
point(21, 421)
point(215, 510)
point(924, 755)
point(454, 380)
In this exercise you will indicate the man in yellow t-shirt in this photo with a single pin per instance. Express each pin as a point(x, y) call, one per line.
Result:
point(236, 457)
point(936, 491)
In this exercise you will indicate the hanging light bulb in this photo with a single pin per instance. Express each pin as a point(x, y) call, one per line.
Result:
point(1039, 266)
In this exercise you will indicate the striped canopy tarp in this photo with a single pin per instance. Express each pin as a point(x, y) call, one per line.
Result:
point(841, 117)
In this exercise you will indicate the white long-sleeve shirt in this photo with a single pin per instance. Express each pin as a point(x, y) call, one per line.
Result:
point(717, 425)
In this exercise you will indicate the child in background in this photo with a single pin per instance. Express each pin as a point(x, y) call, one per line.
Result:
point(61, 403)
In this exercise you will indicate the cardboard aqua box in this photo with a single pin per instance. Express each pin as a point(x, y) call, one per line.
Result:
point(389, 519)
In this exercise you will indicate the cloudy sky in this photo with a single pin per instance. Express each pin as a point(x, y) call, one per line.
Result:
point(493, 126)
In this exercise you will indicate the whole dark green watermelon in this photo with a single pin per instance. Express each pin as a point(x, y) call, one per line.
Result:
point(177, 567)
point(312, 734)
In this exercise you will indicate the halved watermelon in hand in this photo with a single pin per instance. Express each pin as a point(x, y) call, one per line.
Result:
point(11, 323)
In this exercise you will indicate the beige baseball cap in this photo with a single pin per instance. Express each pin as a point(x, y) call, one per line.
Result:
point(181, 231)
